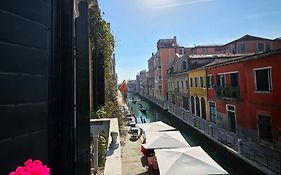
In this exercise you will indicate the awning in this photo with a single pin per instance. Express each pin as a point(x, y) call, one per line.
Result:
point(155, 126)
point(189, 160)
point(166, 139)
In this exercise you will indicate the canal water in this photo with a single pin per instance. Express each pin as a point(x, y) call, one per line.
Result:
point(232, 164)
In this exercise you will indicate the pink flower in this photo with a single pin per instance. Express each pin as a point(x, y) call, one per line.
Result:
point(32, 168)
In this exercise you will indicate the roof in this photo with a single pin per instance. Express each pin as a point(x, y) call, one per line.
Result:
point(165, 40)
point(228, 55)
point(245, 57)
point(211, 45)
point(249, 38)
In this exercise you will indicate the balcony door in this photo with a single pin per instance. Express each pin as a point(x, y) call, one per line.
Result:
point(231, 114)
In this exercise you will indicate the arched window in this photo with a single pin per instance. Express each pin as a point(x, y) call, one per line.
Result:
point(203, 108)
point(192, 105)
point(197, 107)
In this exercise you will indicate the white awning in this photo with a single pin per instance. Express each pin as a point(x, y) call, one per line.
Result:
point(166, 139)
point(189, 160)
point(155, 126)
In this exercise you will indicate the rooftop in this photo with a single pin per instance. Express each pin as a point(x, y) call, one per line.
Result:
point(239, 58)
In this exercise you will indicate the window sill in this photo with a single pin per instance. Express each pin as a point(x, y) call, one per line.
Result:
point(263, 92)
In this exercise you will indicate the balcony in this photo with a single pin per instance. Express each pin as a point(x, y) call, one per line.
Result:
point(228, 92)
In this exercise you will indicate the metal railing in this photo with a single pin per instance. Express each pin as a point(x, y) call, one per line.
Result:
point(228, 92)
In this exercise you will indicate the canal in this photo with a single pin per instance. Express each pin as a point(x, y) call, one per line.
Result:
point(232, 164)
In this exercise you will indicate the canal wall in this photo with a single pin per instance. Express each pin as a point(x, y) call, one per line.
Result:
point(222, 141)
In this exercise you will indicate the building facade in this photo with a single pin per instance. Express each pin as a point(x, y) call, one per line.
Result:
point(143, 85)
point(198, 92)
point(244, 96)
point(178, 82)
point(132, 86)
point(251, 44)
point(158, 65)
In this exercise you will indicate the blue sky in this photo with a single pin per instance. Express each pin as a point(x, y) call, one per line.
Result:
point(138, 24)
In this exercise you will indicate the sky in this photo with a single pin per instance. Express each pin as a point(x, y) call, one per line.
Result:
point(137, 25)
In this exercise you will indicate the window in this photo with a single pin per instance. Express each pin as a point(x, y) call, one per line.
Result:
point(197, 107)
point(195, 82)
point(185, 103)
point(234, 80)
point(186, 84)
point(263, 80)
point(221, 80)
point(213, 112)
point(209, 81)
point(242, 48)
point(182, 84)
point(264, 126)
point(205, 50)
point(201, 82)
point(231, 113)
point(184, 65)
point(260, 47)
point(203, 108)
point(192, 105)
point(191, 82)
point(267, 47)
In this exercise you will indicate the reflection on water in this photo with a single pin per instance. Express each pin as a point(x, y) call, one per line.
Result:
point(230, 163)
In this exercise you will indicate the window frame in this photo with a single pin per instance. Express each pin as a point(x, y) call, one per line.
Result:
point(216, 112)
point(269, 79)
point(210, 81)
point(240, 50)
point(258, 48)
point(201, 83)
point(222, 79)
point(258, 128)
point(235, 114)
point(195, 82)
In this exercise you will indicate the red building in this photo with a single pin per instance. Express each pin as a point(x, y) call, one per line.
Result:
point(244, 96)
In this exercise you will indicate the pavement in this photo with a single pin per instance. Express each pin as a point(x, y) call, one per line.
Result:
point(130, 151)
point(131, 156)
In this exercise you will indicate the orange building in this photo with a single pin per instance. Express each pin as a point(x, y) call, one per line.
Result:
point(159, 64)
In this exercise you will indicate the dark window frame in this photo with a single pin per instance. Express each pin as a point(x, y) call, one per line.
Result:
point(259, 86)
point(201, 81)
point(265, 129)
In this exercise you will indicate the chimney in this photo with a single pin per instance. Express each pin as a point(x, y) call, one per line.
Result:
point(175, 40)
point(152, 54)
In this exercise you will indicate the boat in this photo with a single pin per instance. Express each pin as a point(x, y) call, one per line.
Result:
point(133, 100)
point(142, 108)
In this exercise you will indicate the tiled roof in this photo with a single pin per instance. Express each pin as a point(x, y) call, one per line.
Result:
point(196, 56)
point(214, 45)
point(249, 38)
point(240, 58)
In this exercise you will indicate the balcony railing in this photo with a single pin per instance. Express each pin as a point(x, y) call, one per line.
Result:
point(228, 92)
